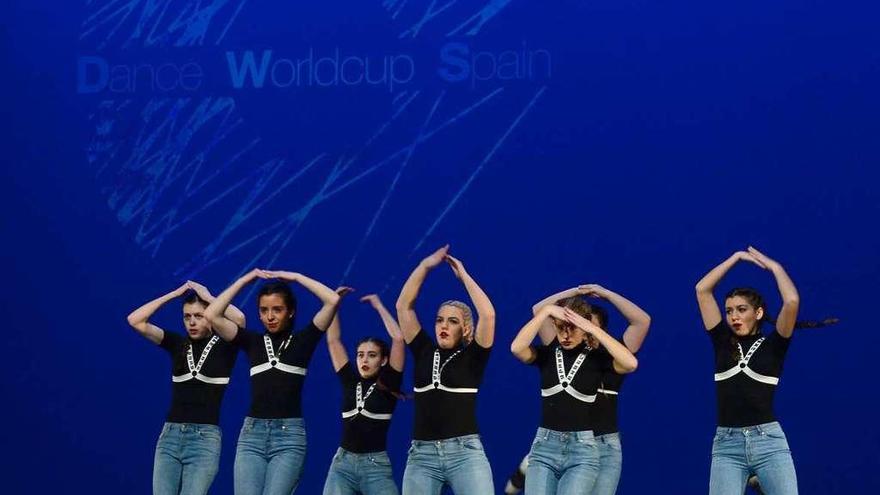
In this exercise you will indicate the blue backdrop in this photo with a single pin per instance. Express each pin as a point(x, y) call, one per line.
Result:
point(632, 144)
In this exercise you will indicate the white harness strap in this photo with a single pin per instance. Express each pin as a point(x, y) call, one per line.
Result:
point(360, 400)
point(195, 369)
point(275, 361)
point(436, 370)
point(566, 379)
point(743, 367)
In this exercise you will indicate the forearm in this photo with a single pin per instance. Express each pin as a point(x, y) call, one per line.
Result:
point(553, 298)
point(327, 295)
point(410, 290)
point(710, 280)
point(390, 323)
point(639, 321)
point(521, 347)
point(335, 347)
point(397, 357)
point(624, 360)
point(406, 315)
point(141, 315)
point(484, 332)
point(787, 318)
point(217, 308)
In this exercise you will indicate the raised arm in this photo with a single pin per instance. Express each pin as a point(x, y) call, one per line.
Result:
point(232, 313)
point(338, 355)
point(405, 306)
point(521, 347)
point(484, 333)
point(397, 355)
point(329, 298)
point(216, 311)
point(624, 360)
point(139, 319)
point(706, 299)
point(787, 317)
point(639, 321)
point(548, 330)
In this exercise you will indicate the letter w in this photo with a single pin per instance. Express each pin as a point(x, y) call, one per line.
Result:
point(247, 66)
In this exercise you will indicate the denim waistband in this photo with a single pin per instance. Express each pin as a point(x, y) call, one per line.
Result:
point(268, 423)
point(564, 436)
point(750, 430)
point(447, 441)
point(366, 455)
point(195, 427)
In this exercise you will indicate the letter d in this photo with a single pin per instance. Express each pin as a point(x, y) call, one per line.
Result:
point(83, 84)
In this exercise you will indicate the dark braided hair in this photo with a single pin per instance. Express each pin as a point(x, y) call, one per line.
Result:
point(755, 299)
point(383, 352)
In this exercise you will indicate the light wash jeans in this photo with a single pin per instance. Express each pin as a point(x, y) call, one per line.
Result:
point(562, 463)
point(269, 457)
point(610, 464)
point(367, 474)
point(761, 450)
point(187, 458)
point(458, 462)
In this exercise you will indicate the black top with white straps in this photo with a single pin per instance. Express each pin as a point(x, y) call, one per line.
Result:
point(367, 407)
point(747, 370)
point(278, 368)
point(200, 371)
point(569, 382)
point(605, 407)
point(446, 384)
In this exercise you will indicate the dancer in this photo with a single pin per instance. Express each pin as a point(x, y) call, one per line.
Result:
point(564, 458)
point(369, 388)
point(446, 447)
point(604, 412)
point(188, 451)
point(272, 443)
point(748, 365)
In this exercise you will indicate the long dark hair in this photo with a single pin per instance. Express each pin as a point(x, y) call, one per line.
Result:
point(756, 300)
point(384, 352)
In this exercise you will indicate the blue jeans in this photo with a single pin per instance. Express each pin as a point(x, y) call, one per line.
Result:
point(187, 458)
point(269, 457)
point(458, 462)
point(761, 450)
point(562, 462)
point(610, 464)
point(367, 474)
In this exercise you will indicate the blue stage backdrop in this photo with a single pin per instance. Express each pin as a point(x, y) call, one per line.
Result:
point(633, 144)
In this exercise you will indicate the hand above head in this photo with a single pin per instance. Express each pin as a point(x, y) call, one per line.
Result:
point(555, 311)
point(436, 257)
point(747, 256)
point(199, 289)
point(181, 290)
point(578, 320)
point(255, 273)
point(762, 259)
point(456, 265)
point(344, 290)
point(279, 274)
point(373, 300)
point(593, 290)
